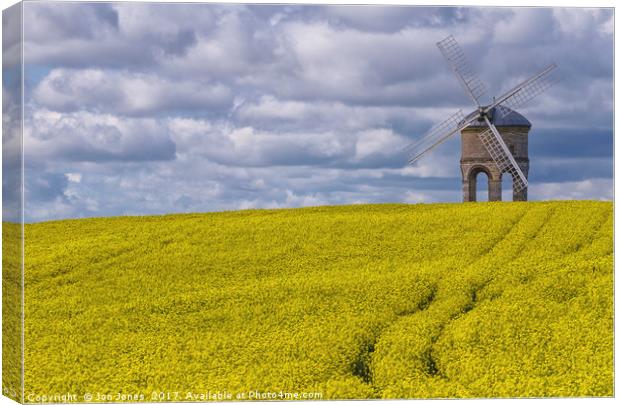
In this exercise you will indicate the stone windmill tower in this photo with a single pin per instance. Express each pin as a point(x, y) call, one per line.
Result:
point(475, 158)
point(494, 137)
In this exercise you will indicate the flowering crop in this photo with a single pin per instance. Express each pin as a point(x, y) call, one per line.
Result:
point(366, 301)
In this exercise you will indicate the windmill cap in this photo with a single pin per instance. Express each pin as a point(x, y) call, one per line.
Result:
point(514, 119)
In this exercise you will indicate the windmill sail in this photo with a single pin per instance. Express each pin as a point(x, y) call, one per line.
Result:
point(437, 135)
point(526, 91)
point(458, 62)
point(495, 145)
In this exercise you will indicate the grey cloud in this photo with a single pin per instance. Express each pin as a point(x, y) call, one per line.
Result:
point(250, 147)
point(359, 68)
point(393, 19)
point(235, 106)
point(142, 147)
point(12, 38)
point(49, 22)
point(84, 137)
point(246, 147)
point(272, 114)
point(179, 44)
point(302, 57)
point(581, 48)
point(108, 53)
point(363, 17)
point(114, 35)
point(240, 48)
point(560, 170)
point(250, 52)
point(45, 187)
point(127, 93)
point(571, 143)
point(11, 144)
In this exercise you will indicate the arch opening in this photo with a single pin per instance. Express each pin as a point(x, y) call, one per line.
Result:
point(479, 184)
point(483, 189)
point(507, 186)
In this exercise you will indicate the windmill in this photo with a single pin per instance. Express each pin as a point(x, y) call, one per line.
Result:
point(485, 147)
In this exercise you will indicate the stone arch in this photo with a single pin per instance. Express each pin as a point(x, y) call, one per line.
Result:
point(494, 183)
point(520, 195)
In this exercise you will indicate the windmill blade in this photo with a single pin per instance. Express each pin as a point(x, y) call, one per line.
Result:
point(438, 135)
point(463, 71)
point(495, 145)
point(524, 92)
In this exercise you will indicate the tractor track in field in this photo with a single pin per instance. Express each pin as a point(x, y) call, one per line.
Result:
point(362, 366)
point(432, 368)
point(596, 235)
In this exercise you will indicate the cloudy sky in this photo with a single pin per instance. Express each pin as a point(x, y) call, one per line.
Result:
point(136, 108)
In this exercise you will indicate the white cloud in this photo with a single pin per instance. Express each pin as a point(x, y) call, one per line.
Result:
point(378, 142)
point(525, 25)
point(581, 23)
point(591, 189)
point(434, 164)
point(234, 106)
point(416, 198)
point(308, 200)
point(74, 177)
point(126, 93)
point(89, 137)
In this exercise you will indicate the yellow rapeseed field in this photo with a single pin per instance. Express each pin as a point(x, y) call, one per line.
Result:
point(363, 301)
